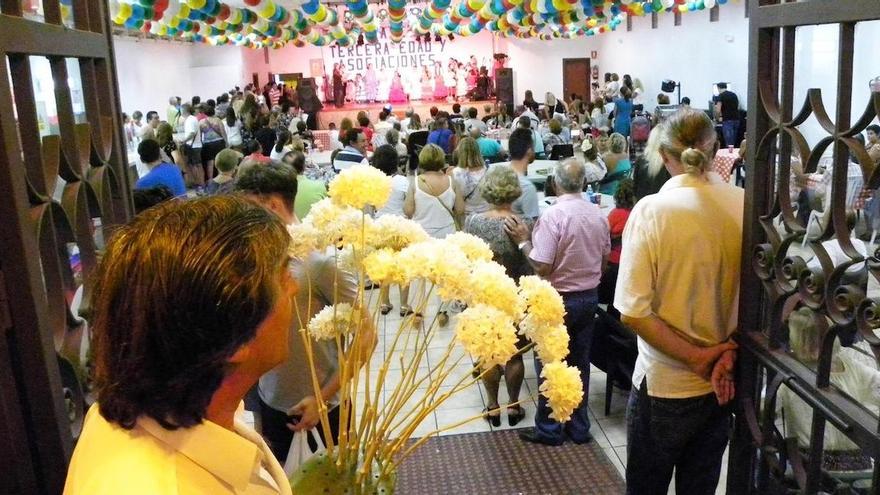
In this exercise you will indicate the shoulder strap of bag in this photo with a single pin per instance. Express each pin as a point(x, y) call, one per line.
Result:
point(475, 187)
point(448, 210)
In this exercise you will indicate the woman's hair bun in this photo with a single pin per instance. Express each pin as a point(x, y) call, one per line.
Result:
point(694, 160)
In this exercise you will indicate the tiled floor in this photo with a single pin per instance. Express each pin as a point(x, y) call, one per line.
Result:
point(609, 431)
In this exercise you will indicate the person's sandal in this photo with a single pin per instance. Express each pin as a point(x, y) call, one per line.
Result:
point(514, 419)
point(443, 319)
point(494, 420)
point(385, 309)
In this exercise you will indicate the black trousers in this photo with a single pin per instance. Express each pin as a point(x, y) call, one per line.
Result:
point(278, 436)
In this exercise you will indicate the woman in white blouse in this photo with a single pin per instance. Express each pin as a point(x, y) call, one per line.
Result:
point(385, 158)
point(232, 126)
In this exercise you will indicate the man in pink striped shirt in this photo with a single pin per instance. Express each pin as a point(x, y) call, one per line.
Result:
point(569, 247)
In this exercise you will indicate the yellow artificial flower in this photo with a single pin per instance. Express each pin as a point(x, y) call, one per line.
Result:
point(332, 321)
point(551, 343)
point(383, 266)
point(543, 305)
point(395, 232)
point(360, 186)
point(563, 389)
point(303, 240)
point(443, 265)
point(490, 285)
point(487, 334)
point(473, 247)
point(339, 225)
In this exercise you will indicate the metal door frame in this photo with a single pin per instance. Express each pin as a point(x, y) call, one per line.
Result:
point(758, 454)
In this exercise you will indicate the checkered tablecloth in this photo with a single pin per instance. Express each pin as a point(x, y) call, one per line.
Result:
point(322, 139)
point(502, 133)
point(724, 161)
point(856, 194)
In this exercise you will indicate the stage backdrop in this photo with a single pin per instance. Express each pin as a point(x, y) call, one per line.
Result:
point(386, 57)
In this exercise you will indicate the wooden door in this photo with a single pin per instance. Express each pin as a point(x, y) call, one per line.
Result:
point(575, 78)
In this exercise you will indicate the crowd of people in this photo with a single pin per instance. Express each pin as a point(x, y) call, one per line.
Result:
point(448, 175)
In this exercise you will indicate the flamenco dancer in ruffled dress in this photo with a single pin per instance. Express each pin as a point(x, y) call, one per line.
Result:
point(371, 84)
point(397, 94)
point(440, 89)
point(427, 82)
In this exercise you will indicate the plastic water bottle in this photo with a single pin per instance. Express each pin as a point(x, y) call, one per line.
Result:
point(590, 193)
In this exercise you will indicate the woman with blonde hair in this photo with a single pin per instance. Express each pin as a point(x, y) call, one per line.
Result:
point(553, 105)
point(682, 250)
point(499, 188)
point(469, 172)
point(434, 199)
point(617, 163)
point(555, 136)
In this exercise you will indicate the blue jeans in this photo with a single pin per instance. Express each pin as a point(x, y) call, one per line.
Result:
point(689, 435)
point(580, 311)
point(730, 131)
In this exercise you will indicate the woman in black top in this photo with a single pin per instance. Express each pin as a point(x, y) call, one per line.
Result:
point(529, 102)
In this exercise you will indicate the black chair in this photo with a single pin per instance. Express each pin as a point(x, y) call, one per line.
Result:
point(738, 169)
point(415, 141)
point(614, 351)
point(561, 151)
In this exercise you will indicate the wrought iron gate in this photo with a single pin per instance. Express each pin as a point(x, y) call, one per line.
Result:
point(63, 185)
point(811, 304)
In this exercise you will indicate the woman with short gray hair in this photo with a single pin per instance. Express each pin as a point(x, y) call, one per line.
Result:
point(500, 188)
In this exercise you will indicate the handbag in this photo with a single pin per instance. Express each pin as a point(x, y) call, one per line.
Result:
point(300, 452)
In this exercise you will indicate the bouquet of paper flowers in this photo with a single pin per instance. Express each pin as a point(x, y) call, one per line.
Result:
point(375, 433)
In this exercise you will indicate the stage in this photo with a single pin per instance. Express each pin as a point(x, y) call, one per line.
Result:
point(332, 114)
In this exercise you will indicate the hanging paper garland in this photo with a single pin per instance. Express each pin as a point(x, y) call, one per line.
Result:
point(265, 23)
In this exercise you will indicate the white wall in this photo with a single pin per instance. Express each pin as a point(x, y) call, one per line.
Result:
point(816, 59)
point(698, 53)
point(151, 71)
point(537, 65)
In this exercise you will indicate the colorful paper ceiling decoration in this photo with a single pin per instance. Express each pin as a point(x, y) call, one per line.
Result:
point(265, 24)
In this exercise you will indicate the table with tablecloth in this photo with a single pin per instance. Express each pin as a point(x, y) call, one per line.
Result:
point(499, 133)
point(323, 140)
point(724, 161)
point(856, 192)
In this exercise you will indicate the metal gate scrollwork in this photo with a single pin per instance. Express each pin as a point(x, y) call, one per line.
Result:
point(807, 420)
point(63, 187)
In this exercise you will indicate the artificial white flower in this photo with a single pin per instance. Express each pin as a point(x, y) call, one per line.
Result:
point(332, 321)
point(303, 240)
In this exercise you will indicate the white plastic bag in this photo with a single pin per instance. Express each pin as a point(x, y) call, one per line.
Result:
point(300, 451)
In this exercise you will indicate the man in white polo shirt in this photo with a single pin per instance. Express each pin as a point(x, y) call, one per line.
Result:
point(678, 289)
